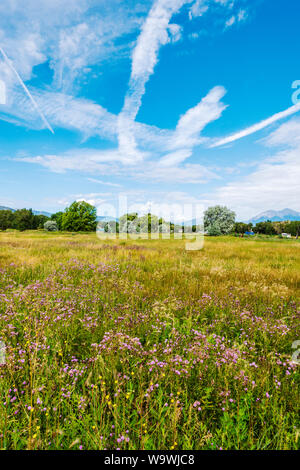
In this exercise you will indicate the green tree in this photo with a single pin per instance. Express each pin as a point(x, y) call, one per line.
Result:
point(128, 223)
point(23, 219)
point(219, 219)
point(110, 227)
point(241, 227)
point(57, 217)
point(6, 219)
point(79, 217)
point(265, 228)
point(149, 223)
point(293, 228)
point(39, 221)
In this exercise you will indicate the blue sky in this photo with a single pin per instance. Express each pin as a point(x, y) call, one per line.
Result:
point(166, 101)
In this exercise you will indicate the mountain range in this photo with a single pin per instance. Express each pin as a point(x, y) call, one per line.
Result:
point(276, 216)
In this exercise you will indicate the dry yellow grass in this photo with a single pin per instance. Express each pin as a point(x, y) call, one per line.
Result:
point(266, 268)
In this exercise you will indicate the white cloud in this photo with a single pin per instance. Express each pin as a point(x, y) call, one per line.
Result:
point(242, 15)
point(288, 135)
point(32, 100)
point(187, 134)
point(105, 183)
point(86, 160)
point(191, 124)
point(230, 22)
point(275, 182)
point(110, 162)
point(175, 158)
point(184, 174)
point(76, 32)
point(169, 148)
point(198, 8)
point(84, 38)
point(257, 127)
point(175, 32)
point(155, 33)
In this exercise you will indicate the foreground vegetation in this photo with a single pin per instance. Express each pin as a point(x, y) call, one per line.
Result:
point(143, 345)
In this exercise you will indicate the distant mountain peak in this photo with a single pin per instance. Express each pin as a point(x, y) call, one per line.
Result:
point(276, 216)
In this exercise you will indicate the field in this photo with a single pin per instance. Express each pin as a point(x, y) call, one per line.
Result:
point(142, 345)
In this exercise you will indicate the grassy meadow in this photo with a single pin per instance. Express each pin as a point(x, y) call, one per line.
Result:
point(139, 344)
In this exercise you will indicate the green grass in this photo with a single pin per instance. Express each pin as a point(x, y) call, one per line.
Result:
point(139, 344)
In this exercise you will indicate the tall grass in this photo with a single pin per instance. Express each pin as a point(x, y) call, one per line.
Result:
point(142, 345)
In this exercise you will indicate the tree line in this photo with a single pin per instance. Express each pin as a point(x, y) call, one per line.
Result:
point(78, 217)
point(269, 228)
point(82, 217)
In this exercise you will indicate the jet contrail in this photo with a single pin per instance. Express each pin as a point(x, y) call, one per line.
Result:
point(257, 127)
point(10, 64)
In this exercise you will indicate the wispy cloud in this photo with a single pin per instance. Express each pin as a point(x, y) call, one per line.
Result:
point(274, 181)
point(33, 102)
point(230, 22)
point(156, 31)
point(104, 183)
point(85, 39)
point(67, 37)
point(257, 127)
point(107, 163)
point(188, 130)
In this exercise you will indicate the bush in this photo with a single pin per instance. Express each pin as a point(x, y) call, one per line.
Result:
point(51, 226)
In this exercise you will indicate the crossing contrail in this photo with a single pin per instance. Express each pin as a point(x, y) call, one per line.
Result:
point(11, 66)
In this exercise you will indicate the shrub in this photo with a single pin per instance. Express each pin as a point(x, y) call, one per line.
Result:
point(51, 226)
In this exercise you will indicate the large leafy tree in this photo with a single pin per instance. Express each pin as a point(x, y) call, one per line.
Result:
point(6, 219)
point(79, 217)
point(23, 219)
point(219, 220)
